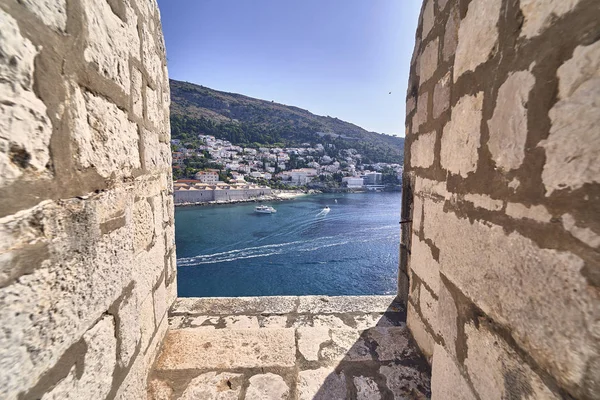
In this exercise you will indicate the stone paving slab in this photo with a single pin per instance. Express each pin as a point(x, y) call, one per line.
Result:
point(312, 347)
point(227, 348)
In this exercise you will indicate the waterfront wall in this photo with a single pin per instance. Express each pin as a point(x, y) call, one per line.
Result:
point(87, 257)
point(200, 196)
point(501, 265)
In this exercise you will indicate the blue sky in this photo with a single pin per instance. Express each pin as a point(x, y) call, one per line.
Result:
point(333, 57)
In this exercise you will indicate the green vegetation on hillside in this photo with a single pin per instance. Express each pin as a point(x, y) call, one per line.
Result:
point(252, 122)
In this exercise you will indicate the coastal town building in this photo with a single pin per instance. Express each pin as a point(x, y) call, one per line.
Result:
point(353, 182)
point(207, 176)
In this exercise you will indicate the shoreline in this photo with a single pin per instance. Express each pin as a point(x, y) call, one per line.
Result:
point(279, 196)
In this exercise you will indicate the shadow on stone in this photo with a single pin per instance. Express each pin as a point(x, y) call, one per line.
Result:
point(382, 362)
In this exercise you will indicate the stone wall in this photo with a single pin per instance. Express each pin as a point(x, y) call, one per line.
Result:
point(87, 267)
point(501, 263)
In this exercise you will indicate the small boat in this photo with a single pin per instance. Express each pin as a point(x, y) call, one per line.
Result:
point(326, 208)
point(264, 209)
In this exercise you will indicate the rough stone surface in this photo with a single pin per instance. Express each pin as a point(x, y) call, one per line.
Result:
point(24, 125)
point(111, 42)
point(461, 137)
point(106, 139)
point(267, 387)
point(310, 340)
point(585, 235)
point(497, 372)
point(477, 36)
point(223, 386)
point(403, 381)
point(419, 332)
point(451, 35)
point(540, 14)
point(79, 262)
point(508, 126)
point(447, 381)
point(441, 95)
point(52, 12)
point(190, 348)
point(366, 388)
point(345, 304)
point(128, 328)
point(424, 265)
point(447, 317)
point(428, 18)
point(237, 305)
point(321, 384)
point(421, 115)
point(574, 141)
point(99, 364)
point(429, 60)
point(537, 213)
point(159, 390)
point(422, 150)
point(483, 201)
point(523, 286)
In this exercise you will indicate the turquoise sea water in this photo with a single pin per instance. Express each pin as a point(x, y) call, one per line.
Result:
point(228, 250)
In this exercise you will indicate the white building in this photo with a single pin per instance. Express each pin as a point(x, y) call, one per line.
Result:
point(353, 182)
point(210, 177)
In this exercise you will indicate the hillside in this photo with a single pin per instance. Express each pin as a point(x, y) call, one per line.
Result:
point(251, 122)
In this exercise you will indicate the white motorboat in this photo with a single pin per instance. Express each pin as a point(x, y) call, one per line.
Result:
point(264, 209)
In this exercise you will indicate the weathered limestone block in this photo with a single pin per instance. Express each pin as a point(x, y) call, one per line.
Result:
point(346, 344)
point(110, 41)
point(477, 36)
point(99, 363)
point(420, 116)
point(241, 322)
point(424, 265)
point(461, 137)
point(143, 218)
point(508, 125)
point(24, 124)
point(496, 370)
point(237, 305)
point(429, 60)
point(321, 384)
point(446, 321)
point(147, 324)
point(148, 267)
point(267, 387)
point(344, 304)
point(160, 303)
point(150, 58)
point(273, 321)
point(51, 12)
point(366, 388)
point(428, 18)
point(424, 186)
point(536, 212)
point(404, 382)
point(523, 287)
point(422, 150)
point(156, 155)
point(328, 321)
point(128, 328)
point(423, 338)
point(227, 348)
point(78, 275)
point(417, 213)
point(451, 35)
point(441, 95)
point(137, 85)
point(106, 140)
point(223, 386)
point(159, 390)
point(574, 141)
point(586, 235)
point(540, 14)
point(446, 379)
point(484, 201)
point(429, 308)
point(153, 108)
